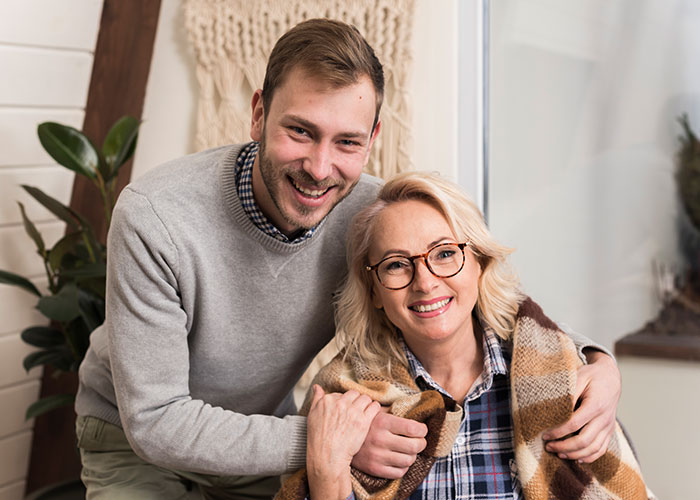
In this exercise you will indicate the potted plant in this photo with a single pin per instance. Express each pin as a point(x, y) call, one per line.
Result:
point(74, 302)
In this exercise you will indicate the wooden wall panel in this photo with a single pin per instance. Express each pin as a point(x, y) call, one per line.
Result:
point(55, 181)
point(44, 77)
point(69, 24)
point(14, 455)
point(20, 144)
point(12, 352)
point(14, 401)
point(18, 252)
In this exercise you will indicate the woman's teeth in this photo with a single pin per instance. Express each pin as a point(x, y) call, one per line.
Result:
point(309, 192)
point(431, 307)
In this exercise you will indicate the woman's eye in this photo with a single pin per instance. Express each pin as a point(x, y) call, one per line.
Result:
point(446, 254)
point(396, 265)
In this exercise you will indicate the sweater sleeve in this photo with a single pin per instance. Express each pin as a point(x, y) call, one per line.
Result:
point(149, 356)
point(582, 342)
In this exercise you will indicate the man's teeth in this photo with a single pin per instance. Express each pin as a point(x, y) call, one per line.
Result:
point(309, 192)
point(431, 307)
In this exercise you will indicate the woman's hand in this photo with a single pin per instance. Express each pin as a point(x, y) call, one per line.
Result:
point(336, 428)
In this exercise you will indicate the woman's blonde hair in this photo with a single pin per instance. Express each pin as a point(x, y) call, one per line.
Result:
point(364, 330)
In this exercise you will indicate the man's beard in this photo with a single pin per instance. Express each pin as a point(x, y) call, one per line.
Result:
point(275, 178)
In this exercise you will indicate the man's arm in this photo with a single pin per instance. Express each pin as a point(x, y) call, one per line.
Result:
point(149, 353)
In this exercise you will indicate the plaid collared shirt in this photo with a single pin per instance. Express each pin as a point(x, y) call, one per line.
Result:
point(244, 185)
point(481, 463)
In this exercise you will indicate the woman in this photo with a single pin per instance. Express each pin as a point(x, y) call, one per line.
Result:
point(432, 315)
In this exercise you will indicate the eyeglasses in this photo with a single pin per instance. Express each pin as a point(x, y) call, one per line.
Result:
point(396, 272)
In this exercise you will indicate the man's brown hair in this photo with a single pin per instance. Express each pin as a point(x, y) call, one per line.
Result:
point(327, 49)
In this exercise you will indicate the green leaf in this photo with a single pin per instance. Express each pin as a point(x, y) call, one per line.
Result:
point(120, 143)
point(69, 147)
point(96, 286)
point(92, 309)
point(13, 279)
point(79, 335)
point(62, 247)
point(43, 336)
point(48, 403)
point(92, 270)
point(38, 358)
point(57, 208)
point(32, 231)
point(63, 306)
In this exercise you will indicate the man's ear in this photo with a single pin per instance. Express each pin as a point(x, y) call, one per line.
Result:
point(372, 137)
point(257, 120)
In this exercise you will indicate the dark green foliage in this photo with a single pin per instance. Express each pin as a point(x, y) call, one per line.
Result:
point(75, 265)
point(688, 172)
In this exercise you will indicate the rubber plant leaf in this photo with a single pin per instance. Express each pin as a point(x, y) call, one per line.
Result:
point(13, 279)
point(49, 403)
point(69, 147)
point(120, 143)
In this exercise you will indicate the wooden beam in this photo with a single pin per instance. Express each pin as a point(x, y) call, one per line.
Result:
point(117, 87)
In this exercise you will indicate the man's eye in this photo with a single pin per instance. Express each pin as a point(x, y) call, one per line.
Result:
point(348, 142)
point(298, 130)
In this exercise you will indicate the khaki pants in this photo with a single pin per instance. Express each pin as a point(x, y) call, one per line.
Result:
point(111, 470)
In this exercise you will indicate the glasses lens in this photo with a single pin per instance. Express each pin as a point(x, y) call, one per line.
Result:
point(446, 260)
point(395, 272)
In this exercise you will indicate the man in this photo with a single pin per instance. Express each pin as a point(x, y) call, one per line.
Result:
point(221, 271)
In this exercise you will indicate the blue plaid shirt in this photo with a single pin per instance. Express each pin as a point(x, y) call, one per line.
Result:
point(244, 185)
point(481, 463)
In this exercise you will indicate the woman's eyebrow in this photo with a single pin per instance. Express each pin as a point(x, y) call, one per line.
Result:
point(398, 251)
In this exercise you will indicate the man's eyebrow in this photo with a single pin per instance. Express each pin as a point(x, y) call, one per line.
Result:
point(312, 127)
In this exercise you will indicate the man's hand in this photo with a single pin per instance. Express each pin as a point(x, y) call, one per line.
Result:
point(597, 391)
point(391, 446)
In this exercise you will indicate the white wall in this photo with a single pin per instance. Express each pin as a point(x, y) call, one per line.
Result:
point(46, 52)
point(169, 109)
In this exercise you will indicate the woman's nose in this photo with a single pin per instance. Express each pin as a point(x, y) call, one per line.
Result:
point(423, 279)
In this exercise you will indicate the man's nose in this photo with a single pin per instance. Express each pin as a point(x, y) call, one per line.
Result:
point(319, 163)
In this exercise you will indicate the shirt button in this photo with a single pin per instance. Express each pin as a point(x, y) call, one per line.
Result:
point(461, 440)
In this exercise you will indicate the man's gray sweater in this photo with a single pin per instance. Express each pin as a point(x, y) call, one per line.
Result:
point(210, 322)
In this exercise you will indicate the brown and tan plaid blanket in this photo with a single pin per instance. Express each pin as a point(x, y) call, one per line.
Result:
point(441, 415)
point(543, 380)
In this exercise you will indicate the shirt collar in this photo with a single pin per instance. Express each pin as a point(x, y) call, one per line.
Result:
point(244, 186)
point(496, 362)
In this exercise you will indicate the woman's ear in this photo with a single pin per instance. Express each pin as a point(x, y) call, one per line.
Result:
point(376, 299)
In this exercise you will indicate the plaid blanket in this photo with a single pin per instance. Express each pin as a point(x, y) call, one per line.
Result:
point(440, 414)
point(543, 380)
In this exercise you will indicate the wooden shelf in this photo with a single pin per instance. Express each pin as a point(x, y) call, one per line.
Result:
point(680, 347)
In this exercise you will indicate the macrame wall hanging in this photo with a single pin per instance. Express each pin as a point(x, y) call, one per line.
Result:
point(233, 38)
